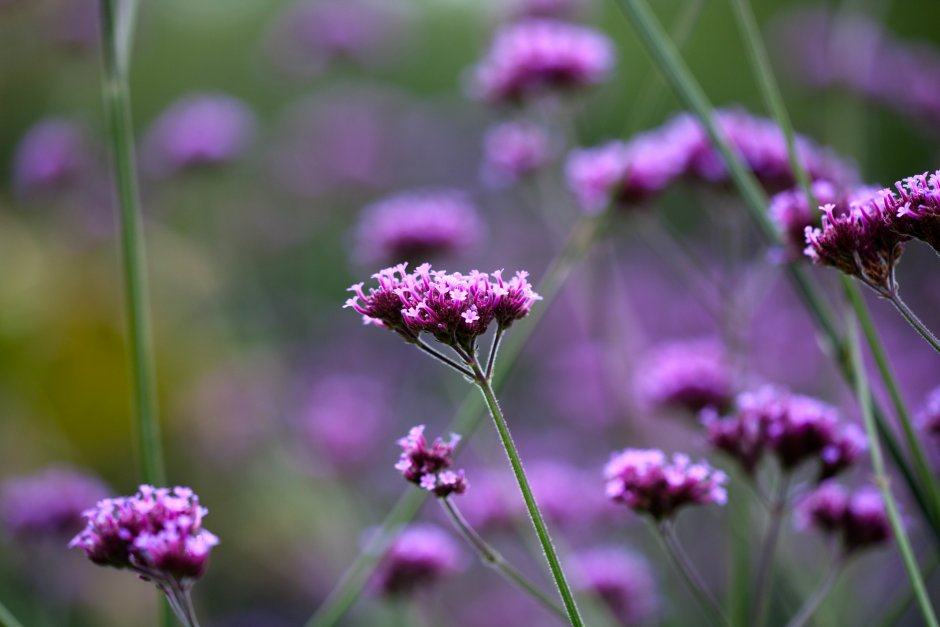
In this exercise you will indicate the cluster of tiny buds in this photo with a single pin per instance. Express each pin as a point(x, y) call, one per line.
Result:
point(429, 466)
point(648, 482)
point(858, 518)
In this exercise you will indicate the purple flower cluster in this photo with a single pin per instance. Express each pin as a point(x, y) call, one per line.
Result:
point(429, 466)
point(794, 428)
point(198, 130)
point(688, 375)
point(623, 580)
point(420, 556)
point(928, 418)
point(48, 503)
point(157, 533)
point(417, 225)
point(535, 55)
point(51, 155)
point(648, 482)
point(514, 150)
point(859, 518)
point(792, 212)
point(454, 308)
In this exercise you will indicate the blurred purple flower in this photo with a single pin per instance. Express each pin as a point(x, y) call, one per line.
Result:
point(649, 483)
point(689, 375)
point(429, 466)
point(199, 130)
point(514, 150)
point(49, 503)
point(928, 418)
point(823, 508)
point(536, 55)
point(415, 225)
point(53, 154)
point(420, 556)
point(859, 518)
point(790, 210)
point(622, 579)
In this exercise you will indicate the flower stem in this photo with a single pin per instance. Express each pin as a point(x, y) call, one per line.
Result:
point(693, 580)
point(822, 591)
point(6, 617)
point(768, 551)
point(538, 522)
point(881, 479)
point(494, 559)
point(444, 359)
point(913, 320)
point(494, 348)
point(133, 258)
point(180, 600)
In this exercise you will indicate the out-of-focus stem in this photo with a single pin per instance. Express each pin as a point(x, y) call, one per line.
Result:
point(693, 580)
point(881, 479)
point(6, 617)
point(768, 551)
point(912, 319)
point(495, 560)
point(538, 522)
point(822, 591)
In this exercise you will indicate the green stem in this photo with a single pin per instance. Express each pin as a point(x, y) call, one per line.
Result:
point(444, 359)
point(538, 522)
point(778, 508)
point(494, 348)
point(495, 560)
point(921, 466)
point(881, 479)
point(893, 616)
point(690, 576)
point(822, 591)
point(913, 320)
point(6, 617)
point(133, 259)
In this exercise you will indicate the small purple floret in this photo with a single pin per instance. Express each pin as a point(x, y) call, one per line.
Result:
point(49, 503)
point(420, 556)
point(429, 466)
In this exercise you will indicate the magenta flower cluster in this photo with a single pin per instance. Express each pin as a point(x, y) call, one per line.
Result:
point(794, 428)
point(858, 518)
point(453, 307)
point(648, 482)
point(156, 533)
point(48, 503)
point(417, 225)
point(420, 556)
point(792, 212)
point(514, 150)
point(535, 55)
point(690, 375)
point(51, 155)
point(430, 466)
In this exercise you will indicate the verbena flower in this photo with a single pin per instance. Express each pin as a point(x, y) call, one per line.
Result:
point(199, 130)
point(418, 224)
point(420, 556)
point(52, 154)
point(859, 519)
point(914, 208)
point(49, 503)
point(537, 55)
point(622, 579)
point(792, 213)
point(429, 466)
point(690, 375)
point(454, 308)
point(157, 533)
point(514, 150)
point(650, 483)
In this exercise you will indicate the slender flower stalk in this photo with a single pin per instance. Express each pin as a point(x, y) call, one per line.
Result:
point(882, 481)
point(693, 580)
point(822, 591)
point(7, 619)
point(895, 299)
point(116, 47)
point(495, 560)
point(768, 551)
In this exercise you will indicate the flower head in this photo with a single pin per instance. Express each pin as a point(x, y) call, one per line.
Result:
point(622, 579)
point(157, 533)
point(429, 466)
point(514, 150)
point(650, 483)
point(914, 210)
point(48, 503)
point(792, 213)
point(823, 508)
point(533, 55)
point(420, 556)
point(858, 518)
point(419, 224)
point(52, 154)
point(688, 375)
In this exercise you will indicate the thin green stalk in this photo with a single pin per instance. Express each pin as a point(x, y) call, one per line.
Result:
point(881, 479)
point(921, 466)
point(133, 259)
point(690, 576)
point(913, 320)
point(495, 560)
point(494, 348)
point(444, 359)
point(768, 551)
point(822, 591)
point(6, 617)
point(538, 522)
point(664, 53)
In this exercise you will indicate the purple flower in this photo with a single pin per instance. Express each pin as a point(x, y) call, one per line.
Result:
point(198, 130)
point(790, 210)
point(914, 211)
point(622, 579)
point(823, 508)
point(649, 483)
point(928, 417)
point(429, 466)
point(156, 533)
point(536, 55)
point(420, 556)
point(48, 503)
point(687, 375)
point(843, 450)
point(858, 240)
point(514, 150)
point(859, 518)
point(52, 154)
point(454, 308)
point(418, 224)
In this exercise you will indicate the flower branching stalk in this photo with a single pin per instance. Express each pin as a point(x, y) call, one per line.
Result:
point(693, 580)
point(768, 550)
point(809, 608)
